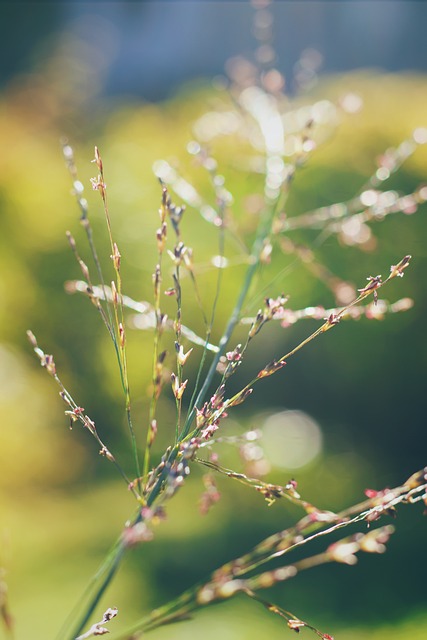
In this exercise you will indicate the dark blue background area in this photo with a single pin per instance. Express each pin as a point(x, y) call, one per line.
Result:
point(160, 44)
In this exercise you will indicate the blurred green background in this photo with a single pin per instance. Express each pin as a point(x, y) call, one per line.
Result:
point(362, 386)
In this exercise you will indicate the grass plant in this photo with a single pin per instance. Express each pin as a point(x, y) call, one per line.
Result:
point(279, 136)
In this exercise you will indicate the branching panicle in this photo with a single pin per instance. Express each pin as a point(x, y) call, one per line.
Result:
point(259, 116)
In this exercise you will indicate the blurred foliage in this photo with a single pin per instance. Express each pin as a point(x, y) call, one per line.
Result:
point(364, 384)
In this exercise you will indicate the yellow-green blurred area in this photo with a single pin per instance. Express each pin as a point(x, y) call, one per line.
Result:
point(347, 413)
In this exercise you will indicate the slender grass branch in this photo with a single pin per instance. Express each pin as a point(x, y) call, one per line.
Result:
point(99, 185)
point(375, 283)
point(264, 230)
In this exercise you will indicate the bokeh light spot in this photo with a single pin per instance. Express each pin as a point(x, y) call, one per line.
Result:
point(291, 439)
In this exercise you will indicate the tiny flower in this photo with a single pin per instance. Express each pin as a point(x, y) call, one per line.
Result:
point(373, 283)
point(178, 253)
point(65, 398)
point(98, 160)
point(157, 278)
point(116, 257)
point(333, 319)
point(175, 215)
point(257, 324)
point(89, 424)
point(417, 479)
point(240, 397)
point(181, 390)
point(110, 614)
point(275, 306)
point(74, 414)
point(181, 356)
point(373, 515)
point(201, 416)
point(114, 293)
point(291, 487)
point(153, 515)
point(107, 454)
point(397, 270)
point(161, 238)
point(96, 629)
point(146, 513)
point(32, 338)
point(372, 493)
point(271, 368)
point(49, 363)
point(234, 356)
point(133, 484)
point(216, 400)
point(98, 185)
point(208, 431)
point(375, 541)
point(177, 388)
point(317, 515)
point(72, 417)
point(205, 595)
point(223, 366)
point(345, 550)
point(265, 255)
point(122, 335)
point(85, 271)
point(295, 625)
point(153, 432)
point(136, 534)
point(71, 241)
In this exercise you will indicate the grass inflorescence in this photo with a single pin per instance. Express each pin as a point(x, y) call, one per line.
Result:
point(202, 403)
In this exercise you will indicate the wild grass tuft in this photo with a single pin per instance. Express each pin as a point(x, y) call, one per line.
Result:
point(259, 114)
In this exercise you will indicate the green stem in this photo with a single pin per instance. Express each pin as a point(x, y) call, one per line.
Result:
point(182, 605)
point(74, 626)
point(111, 565)
point(263, 231)
point(209, 325)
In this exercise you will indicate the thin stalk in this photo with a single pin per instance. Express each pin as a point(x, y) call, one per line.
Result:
point(306, 530)
point(119, 315)
point(75, 412)
point(191, 600)
point(155, 373)
point(117, 334)
point(179, 607)
point(99, 184)
point(221, 252)
point(333, 320)
point(230, 572)
point(411, 491)
point(206, 322)
point(161, 235)
point(292, 620)
point(75, 623)
point(264, 229)
point(178, 390)
point(106, 572)
point(85, 222)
